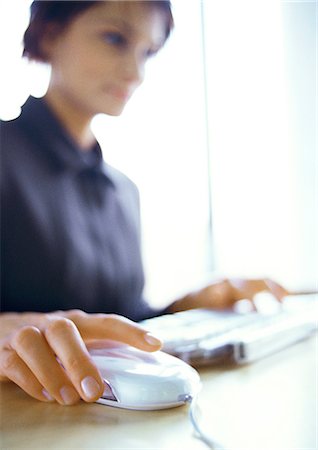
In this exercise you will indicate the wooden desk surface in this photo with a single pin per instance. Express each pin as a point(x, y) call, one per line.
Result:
point(269, 405)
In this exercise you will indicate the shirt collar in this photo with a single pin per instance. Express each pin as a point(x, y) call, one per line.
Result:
point(44, 127)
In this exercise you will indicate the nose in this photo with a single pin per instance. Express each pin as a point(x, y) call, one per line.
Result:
point(133, 69)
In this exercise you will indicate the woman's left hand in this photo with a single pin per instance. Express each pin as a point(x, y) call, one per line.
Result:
point(224, 294)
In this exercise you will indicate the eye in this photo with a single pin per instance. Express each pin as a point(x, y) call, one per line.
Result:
point(114, 38)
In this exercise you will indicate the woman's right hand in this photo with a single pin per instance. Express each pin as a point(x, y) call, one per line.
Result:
point(46, 354)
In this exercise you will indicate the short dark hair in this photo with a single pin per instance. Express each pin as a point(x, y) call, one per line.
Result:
point(61, 13)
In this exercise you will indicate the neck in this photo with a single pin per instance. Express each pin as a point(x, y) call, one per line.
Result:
point(74, 121)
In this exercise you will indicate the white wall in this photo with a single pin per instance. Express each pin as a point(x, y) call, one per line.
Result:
point(300, 25)
point(261, 68)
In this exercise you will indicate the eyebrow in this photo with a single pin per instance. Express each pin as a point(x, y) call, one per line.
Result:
point(115, 21)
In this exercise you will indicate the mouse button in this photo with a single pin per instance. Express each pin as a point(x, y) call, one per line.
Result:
point(136, 355)
point(108, 393)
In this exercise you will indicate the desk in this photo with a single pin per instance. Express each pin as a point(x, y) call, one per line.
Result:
point(269, 405)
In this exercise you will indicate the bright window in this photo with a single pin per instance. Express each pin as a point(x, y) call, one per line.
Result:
point(261, 61)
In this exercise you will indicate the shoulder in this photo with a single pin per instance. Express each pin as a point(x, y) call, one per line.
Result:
point(11, 135)
point(13, 140)
point(17, 163)
point(121, 181)
point(8, 128)
point(127, 193)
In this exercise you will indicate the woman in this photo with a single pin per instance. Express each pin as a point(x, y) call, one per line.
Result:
point(70, 231)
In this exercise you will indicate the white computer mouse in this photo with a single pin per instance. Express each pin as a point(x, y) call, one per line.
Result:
point(139, 380)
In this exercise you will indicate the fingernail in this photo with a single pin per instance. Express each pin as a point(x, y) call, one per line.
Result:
point(90, 387)
point(152, 340)
point(47, 395)
point(69, 395)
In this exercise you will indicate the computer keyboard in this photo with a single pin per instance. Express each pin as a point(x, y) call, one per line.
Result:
point(207, 337)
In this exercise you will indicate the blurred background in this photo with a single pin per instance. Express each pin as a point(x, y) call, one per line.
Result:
point(221, 140)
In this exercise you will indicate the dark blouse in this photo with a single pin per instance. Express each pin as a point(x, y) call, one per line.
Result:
point(70, 231)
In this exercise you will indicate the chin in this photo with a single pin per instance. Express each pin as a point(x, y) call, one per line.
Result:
point(113, 110)
point(113, 113)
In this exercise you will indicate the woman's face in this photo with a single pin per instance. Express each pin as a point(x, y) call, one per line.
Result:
point(98, 60)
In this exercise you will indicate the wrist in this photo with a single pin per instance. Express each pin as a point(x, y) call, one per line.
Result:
point(182, 304)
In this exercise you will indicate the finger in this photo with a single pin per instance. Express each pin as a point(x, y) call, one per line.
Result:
point(303, 292)
point(276, 289)
point(14, 369)
point(245, 306)
point(254, 306)
point(250, 288)
point(31, 346)
point(245, 289)
point(66, 341)
point(117, 328)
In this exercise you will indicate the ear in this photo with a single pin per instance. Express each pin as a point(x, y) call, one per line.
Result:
point(51, 34)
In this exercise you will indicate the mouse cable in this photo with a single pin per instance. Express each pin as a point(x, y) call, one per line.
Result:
point(200, 434)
